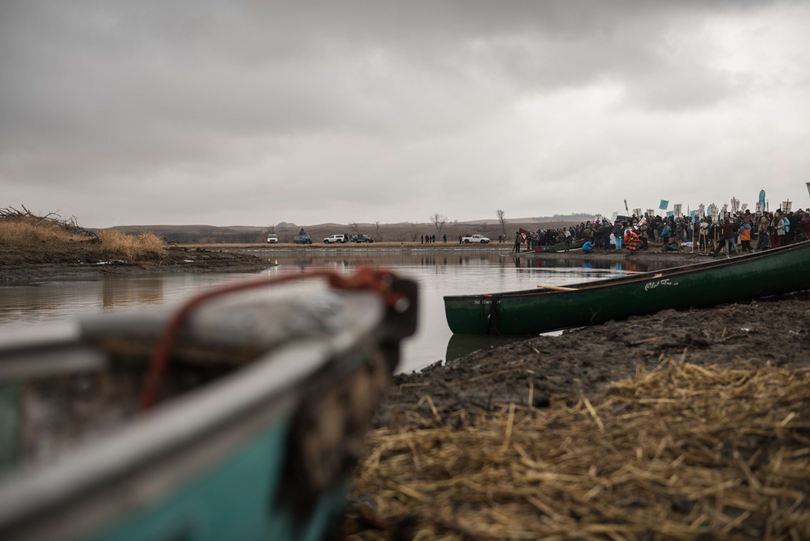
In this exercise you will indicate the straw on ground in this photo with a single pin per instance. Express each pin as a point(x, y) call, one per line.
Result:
point(682, 452)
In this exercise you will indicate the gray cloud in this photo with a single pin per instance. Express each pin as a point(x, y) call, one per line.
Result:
point(362, 111)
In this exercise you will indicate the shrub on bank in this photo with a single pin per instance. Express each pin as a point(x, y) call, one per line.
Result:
point(24, 230)
point(133, 247)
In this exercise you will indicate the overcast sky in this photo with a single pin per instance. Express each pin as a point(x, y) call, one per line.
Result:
point(254, 113)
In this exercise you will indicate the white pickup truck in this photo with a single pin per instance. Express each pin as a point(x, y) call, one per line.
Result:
point(475, 238)
point(331, 239)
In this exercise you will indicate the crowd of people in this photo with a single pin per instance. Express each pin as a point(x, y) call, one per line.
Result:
point(707, 234)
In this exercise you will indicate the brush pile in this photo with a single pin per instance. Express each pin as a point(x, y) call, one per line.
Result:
point(683, 452)
point(23, 226)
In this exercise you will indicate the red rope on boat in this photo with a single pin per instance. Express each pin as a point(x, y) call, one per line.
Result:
point(378, 281)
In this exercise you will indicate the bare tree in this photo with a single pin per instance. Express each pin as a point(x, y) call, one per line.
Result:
point(501, 219)
point(438, 222)
point(377, 229)
point(271, 229)
point(354, 227)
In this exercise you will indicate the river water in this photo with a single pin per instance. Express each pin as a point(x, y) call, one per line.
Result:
point(26, 308)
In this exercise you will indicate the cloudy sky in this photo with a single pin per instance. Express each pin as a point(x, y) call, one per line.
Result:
point(254, 113)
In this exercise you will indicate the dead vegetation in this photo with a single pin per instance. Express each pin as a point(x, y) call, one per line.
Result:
point(681, 452)
point(23, 228)
point(146, 246)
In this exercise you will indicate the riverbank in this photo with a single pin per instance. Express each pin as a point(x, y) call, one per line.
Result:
point(84, 259)
point(675, 425)
point(52, 261)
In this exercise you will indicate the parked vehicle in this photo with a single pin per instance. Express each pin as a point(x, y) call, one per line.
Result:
point(362, 238)
point(302, 239)
point(331, 239)
point(550, 308)
point(479, 239)
point(272, 238)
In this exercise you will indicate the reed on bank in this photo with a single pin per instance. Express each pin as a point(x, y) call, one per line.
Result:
point(133, 247)
point(683, 452)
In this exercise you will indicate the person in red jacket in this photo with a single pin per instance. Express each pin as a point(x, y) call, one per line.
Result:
point(631, 241)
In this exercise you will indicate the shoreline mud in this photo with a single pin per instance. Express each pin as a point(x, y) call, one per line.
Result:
point(626, 430)
point(37, 263)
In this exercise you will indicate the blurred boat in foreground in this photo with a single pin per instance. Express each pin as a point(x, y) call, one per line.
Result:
point(237, 417)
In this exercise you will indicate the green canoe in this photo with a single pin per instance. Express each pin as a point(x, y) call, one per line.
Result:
point(260, 415)
point(575, 245)
point(535, 311)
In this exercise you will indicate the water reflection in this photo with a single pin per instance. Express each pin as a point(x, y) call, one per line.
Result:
point(117, 292)
point(439, 274)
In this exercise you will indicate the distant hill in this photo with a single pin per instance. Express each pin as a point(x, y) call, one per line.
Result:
point(396, 232)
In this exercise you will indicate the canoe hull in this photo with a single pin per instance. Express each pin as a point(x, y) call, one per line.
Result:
point(536, 311)
point(576, 245)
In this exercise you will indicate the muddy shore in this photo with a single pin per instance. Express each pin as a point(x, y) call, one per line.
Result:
point(771, 330)
point(536, 439)
point(86, 261)
point(43, 262)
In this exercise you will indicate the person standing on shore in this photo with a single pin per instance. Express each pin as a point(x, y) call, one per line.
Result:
point(631, 241)
point(745, 236)
point(704, 235)
point(665, 233)
point(762, 232)
point(728, 238)
point(804, 225)
point(778, 226)
point(567, 239)
point(517, 242)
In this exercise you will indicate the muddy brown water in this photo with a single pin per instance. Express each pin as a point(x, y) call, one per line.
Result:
point(26, 308)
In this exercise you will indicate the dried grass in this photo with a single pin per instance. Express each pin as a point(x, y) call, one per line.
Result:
point(22, 227)
point(682, 452)
point(133, 247)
